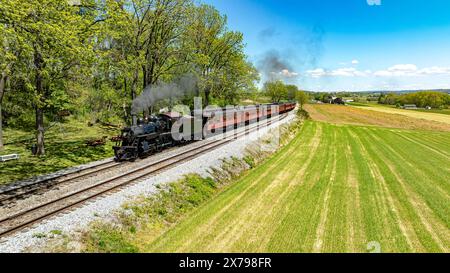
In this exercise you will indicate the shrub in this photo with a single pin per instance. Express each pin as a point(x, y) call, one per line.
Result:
point(303, 114)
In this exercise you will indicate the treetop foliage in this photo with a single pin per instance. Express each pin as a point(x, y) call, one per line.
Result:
point(93, 58)
point(279, 91)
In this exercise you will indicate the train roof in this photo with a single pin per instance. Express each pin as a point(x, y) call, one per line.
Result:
point(242, 107)
point(171, 115)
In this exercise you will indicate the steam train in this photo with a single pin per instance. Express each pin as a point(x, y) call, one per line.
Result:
point(153, 134)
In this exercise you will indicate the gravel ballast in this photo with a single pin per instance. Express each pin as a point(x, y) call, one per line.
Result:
point(102, 208)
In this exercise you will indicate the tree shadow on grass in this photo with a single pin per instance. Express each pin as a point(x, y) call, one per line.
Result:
point(59, 155)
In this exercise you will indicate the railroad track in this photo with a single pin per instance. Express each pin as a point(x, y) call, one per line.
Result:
point(10, 196)
point(31, 216)
point(18, 193)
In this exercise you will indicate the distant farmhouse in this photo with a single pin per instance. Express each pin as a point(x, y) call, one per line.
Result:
point(410, 107)
point(335, 100)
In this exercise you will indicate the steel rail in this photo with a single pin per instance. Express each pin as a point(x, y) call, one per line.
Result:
point(24, 190)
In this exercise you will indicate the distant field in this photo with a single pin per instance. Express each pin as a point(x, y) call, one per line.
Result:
point(358, 104)
point(379, 116)
point(436, 111)
point(334, 188)
point(433, 114)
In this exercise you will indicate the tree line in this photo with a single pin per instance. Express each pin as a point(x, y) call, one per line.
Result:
point(278, 91)
point(94, 57)
point(421, 99)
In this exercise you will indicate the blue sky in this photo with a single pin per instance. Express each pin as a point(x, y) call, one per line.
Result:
point(328, 45)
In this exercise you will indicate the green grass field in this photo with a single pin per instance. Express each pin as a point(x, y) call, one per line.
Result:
point(65, 145)
point(436, 111)
point(334, 188)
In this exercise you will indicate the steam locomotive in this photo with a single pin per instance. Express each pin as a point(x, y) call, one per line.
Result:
point(152, 134)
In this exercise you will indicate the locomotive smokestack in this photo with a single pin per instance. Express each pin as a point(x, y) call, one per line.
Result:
point(134, 120)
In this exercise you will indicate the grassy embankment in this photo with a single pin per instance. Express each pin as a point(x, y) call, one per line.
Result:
point(334, 188)
point(65, 145)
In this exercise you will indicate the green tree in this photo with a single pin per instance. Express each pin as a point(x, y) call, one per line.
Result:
point(292, 91)
point(5, 63)
point(92, 56)
point(302, 98)
point(55, 38)
point(432, 99)
point(165, 52)
point(10, 51)
point(141, 43)
point(217, 55)
point(234, 81)
point(276, 90)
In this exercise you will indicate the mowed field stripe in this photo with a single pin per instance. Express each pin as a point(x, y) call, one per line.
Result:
point(383, 221)
point(427, 168)
point(427, 144)
point(259, 202)
point(393, 170)
point(334, 234)
point(259, 216)
point(354, 213)
point(438, 138)
point(264, 213)
point(324, 210)
point(298, 228)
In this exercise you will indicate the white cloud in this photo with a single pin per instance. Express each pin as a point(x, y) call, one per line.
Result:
point(399, 70)
point(347, 72)
point(411, 70)
point(341, 72)
point(353, 62)
point(286, 73)
point(435, 70)
point(317, 73)
point(403, 67)
point(382, 73)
